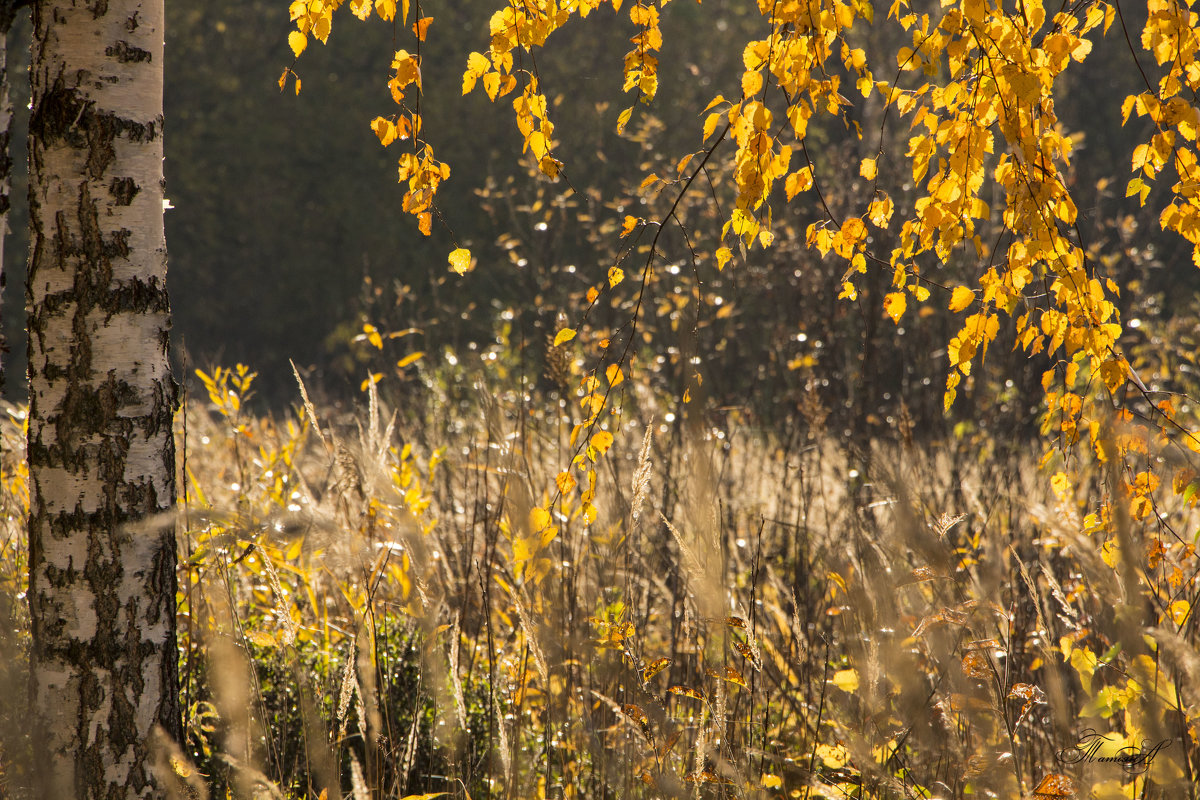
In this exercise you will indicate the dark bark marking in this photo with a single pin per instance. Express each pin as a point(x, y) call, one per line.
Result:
point(123, 190)
point(125, 52)
point(62, 115)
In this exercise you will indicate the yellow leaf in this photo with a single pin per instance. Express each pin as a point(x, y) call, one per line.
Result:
point(386, 9)
point(539, 519)
point(420, 27)
point(615, 276)
point(894, 305)
point(564, 336)
point(623, 120)
point(629, 224)
point(297, 41)
point(723, 256)
point(262, 638)
point(614, 374)
point(371, 379)
point(834, 756)
point(602, 440)
point(846, 680)
point(1061, 485)
point(409, 359)
point(565, 482)
point(592, 294)
point(460, 260)
point(867, 169)
point(491, 85)
point(477, 66)
point(771, 781)
point(961, 298)
point(384, 129)
point(1179, 611)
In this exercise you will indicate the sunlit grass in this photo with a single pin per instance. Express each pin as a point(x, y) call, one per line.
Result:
point(744, 618)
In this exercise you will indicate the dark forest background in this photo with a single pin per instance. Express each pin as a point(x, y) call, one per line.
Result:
point(287, 236)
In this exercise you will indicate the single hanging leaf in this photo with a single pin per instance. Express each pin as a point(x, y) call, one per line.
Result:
point(623, 120)
point(460, 261)
point(564, 336)
point(297, 41)
point(894, 304)
point(614, 375)
point(723, 256)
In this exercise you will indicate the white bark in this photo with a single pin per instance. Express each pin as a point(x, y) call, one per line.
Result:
point(102, 586)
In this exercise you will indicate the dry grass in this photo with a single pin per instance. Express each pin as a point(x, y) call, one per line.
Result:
point(749, 615)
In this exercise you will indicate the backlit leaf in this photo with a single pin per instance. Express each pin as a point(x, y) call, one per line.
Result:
point(846, 680)
point(539, 519)
point(602, 440)
point(613, 374)
point(894, 304)
point(961, 298)
point(723, 256)
point(460, 260)
point(297, 41)
point(564, 336)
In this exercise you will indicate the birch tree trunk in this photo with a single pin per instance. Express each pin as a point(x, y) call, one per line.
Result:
point(101, 397)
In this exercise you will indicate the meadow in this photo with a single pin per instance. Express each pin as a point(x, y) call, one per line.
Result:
point(364, 611)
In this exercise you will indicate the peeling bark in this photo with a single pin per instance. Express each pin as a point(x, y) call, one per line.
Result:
point(101, 452)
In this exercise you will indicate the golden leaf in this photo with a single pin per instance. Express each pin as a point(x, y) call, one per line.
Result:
point(961, 298)
point(614, 375)
point(539, 519)
point(409, 359)
point(297, 41)
point(723, 256)
point(564, 336)
point(846, 680)
point(460, 260)
point(602, 440)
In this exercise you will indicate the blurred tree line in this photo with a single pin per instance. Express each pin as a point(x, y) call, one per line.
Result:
point(287, 235)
